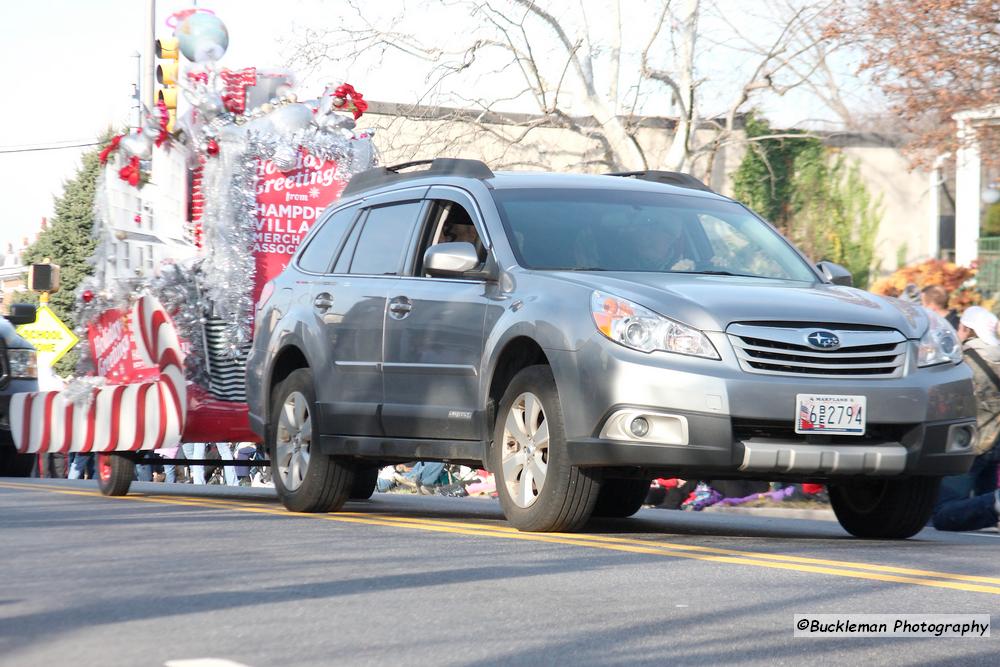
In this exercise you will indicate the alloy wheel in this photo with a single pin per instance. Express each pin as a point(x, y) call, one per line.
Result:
point(294, 440)
point(525, 455)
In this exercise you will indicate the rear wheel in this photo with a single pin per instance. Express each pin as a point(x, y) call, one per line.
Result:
point(365, 480)
point(538, 488)
point(621, 498)
point(306, 479)
point(115, 473)
point(884, 509)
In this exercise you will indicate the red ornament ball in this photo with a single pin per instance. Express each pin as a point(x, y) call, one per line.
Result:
point(138, 219)
point(87, 295)
point(212, 147)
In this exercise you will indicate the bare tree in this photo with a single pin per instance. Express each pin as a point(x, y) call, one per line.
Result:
point(933, 59)
point(603, 71)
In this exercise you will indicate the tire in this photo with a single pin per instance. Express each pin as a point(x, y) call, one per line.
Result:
point(305, 479)
point(565, 498)
point(365, 480)
point(13, 464)
point(621, 498)
point(115, 473)
point(885, 509)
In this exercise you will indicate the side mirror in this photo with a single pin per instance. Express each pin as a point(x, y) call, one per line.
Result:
point(835, 273)
point(22, 313)
point(452, 259)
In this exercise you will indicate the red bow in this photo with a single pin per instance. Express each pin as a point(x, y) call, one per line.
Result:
point(353, 99)
point(110, 148)
point(164, 118)
point(130, 172)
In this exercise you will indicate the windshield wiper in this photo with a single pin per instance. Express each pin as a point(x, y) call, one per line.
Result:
point(587, 268)
point(715, 272)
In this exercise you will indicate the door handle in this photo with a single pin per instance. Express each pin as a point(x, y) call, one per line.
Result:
point(399, 307)
point(323, 302)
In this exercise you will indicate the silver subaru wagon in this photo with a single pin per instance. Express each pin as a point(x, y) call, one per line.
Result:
point(579, 335)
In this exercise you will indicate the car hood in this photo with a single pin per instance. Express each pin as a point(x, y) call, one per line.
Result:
point(712, 303)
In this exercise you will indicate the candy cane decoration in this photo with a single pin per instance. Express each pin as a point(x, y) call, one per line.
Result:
point(119, 418)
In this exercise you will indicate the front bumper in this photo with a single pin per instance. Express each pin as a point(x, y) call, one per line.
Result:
point(716, 451)
point(741, 425)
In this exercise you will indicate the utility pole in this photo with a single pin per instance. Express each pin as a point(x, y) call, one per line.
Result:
point(136, 120)
point(149, 63)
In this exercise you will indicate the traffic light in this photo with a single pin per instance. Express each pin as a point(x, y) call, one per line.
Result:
point(167, 74)
point(43, 277)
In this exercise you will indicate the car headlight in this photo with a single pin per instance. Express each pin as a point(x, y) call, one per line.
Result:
point(22, 364)
point(940, 344)
point(639, 328)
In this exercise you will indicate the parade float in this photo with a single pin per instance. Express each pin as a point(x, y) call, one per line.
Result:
point(194, 214)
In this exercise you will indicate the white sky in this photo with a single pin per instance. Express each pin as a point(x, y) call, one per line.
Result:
point(66, 74)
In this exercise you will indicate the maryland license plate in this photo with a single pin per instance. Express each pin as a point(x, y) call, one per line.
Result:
point(830, 414)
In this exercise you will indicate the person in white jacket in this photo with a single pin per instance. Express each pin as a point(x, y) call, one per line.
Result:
point(972, 501)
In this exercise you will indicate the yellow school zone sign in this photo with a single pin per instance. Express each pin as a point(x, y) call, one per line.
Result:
point(49, 335)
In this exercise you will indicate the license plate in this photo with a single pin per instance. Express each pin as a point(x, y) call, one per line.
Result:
point(835, 415)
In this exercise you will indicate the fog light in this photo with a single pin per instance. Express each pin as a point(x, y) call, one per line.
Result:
point(962, 438)
point(639, 427)
point(631, 424)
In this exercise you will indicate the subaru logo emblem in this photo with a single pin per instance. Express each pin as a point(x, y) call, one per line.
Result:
point(823, 340)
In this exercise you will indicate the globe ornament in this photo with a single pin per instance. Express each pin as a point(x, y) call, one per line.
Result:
point(202, 37)
point(290, 117)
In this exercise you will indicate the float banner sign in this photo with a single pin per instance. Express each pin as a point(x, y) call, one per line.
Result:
point(113, 348)
point(51, 338)
point(288, 204)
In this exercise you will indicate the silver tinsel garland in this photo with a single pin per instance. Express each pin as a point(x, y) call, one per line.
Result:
point(229, 184)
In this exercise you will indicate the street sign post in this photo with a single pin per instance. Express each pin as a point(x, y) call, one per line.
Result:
point(51, 338)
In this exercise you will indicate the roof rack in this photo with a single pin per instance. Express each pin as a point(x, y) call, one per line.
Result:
point(442, 166)
point(677, 178)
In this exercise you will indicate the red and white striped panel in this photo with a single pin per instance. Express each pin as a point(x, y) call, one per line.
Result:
point(126, 417)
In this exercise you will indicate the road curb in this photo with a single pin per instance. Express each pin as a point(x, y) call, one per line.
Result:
point(776, 512)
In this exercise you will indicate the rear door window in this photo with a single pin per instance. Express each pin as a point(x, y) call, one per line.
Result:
point(319, 254)
point(385, 238)
point(344, 260)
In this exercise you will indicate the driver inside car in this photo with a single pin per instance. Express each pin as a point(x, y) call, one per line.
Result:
point(662, 246)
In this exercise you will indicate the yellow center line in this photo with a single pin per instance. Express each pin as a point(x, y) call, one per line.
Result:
point(753, 554)
point(885, 573)
point(808, 560)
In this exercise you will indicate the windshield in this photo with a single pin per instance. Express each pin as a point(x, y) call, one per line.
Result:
point(622, 230)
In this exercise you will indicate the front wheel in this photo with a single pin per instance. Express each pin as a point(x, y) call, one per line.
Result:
point(306, 479)
point(537, 487)
point(884, 509)
point(115, 473)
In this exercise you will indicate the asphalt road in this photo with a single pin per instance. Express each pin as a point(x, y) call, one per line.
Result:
point(171, 574)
